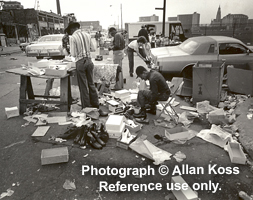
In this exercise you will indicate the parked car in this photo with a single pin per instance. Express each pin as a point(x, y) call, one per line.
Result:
point(47, 46)
point(179, 60)
point(25, 44)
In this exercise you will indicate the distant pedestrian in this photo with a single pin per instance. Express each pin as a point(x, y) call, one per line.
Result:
point(65, 43)
point(143, 32)
point(118, 46)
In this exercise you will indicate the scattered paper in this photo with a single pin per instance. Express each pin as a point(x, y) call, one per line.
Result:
point(20, 142)
point(11, 112)
point(40, 131)
point(69, 185)
point(179, 156)
point(7, 194)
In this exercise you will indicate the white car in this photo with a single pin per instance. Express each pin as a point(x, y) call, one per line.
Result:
point(179, 60)
point(47, 46)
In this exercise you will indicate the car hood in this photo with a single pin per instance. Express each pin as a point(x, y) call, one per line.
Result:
point(167, 51)
point(45, 45)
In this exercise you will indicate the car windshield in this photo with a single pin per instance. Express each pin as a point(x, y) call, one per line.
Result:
point(50, 38)
point(189, 46)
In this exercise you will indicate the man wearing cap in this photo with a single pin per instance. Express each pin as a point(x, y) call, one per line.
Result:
point(159, 91)
point(80, 48)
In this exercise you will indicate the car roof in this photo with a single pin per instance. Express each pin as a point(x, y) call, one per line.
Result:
point(217, 39)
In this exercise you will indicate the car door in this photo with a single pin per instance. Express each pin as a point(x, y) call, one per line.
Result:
point(233, 53)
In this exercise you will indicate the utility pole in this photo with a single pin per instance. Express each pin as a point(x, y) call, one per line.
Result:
point(121, 17)
point(164, 12)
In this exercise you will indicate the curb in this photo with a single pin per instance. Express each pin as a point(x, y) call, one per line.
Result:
point(10, 52)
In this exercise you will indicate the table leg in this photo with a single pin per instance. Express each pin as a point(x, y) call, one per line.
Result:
point(25, 88)
point(64, 96)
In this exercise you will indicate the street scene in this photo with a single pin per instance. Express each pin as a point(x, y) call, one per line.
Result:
point(159, 107)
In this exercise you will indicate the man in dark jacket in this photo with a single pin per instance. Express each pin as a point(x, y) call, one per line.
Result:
point(143, 32)
point(159, 91)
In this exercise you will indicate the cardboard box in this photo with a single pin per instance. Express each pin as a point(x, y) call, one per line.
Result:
point(115, 125)
point(133, 129)
point(54, 155)
point(122, 93)
point(185, 90)
point(188, 194)
point(177, 133)
point(11, 112)
point(207, 81)
point(236, 154)
point(240, 78)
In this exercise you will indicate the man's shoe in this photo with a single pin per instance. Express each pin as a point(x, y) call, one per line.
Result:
point(141, 114)
point(152, 110)
point(131, 74)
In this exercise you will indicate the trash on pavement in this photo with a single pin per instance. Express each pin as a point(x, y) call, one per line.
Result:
point(69, 185)
point(183, 118)
point(236, 153)
point(179, 156)
point(148, 150)
point(11, 112)
point(7, 194)
point(245, 196)
point(54, 155)
point(215, 135)
point(183, 194)
point(20, 142)
point(40, 131)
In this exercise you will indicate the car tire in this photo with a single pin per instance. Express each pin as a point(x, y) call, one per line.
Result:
point(187, 72)
point(39, 57)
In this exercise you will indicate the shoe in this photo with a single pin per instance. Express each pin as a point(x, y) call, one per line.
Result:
point(79, 135)
point(71, 133)
point(141, 114)
point(125, 135)
point(152, 110)
point(129, 114)
point(93, 131)
point(131, 74)
point(83, 141)
point(93, 142)
point(102, 133)
point(102, 113)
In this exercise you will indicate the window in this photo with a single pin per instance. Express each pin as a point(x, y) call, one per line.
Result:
point(232, 48)
point(211, 48)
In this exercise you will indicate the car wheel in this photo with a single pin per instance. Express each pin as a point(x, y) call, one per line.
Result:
point(39, 57)
point(187, 72)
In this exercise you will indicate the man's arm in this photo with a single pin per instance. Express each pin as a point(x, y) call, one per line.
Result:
point(72, 47)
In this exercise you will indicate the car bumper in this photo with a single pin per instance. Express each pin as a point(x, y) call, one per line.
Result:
point(48, 53)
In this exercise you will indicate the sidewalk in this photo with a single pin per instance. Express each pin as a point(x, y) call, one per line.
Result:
point(10, 50)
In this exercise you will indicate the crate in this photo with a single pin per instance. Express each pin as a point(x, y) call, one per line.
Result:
point(236, 154)
point(54, 155)
point(207, 81)
point(240, 78)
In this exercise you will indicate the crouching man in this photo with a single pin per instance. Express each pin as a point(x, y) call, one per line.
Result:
point(159, 91)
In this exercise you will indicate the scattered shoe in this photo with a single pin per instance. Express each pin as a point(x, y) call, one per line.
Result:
point(142, 120)
point(102, 113)
point(131, 74)
point(141, 114)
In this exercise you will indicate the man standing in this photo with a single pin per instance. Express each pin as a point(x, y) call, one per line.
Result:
point(118, 46)
point(143, 32)
point(159, 91)
point(80, 48)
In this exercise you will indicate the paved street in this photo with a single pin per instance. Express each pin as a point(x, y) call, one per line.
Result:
point(22, 172)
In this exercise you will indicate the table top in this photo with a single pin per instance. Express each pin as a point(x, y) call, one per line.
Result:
point(24, 72)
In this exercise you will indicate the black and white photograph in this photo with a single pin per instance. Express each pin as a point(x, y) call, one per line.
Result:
point(126, 99)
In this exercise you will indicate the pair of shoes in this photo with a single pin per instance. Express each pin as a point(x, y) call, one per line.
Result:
point(94, 133)
point(79, 135)
point(131, 74)
point(141, 114)
point(102, 133)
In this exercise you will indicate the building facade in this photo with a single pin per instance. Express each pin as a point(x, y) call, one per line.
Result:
point(149, 18)
point(235, 21)
point(8, 5)
point(90, 26)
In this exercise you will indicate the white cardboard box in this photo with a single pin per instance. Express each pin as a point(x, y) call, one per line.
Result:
point(122, 93)
point(115, 125)
point(188, 194)
point(236, 154)
point(54, 155)
point(177, 133)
